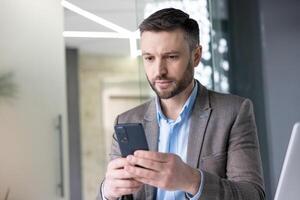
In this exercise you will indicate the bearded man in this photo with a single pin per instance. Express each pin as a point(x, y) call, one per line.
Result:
point(203, 144)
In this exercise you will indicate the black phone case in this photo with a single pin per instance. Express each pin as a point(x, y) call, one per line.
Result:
point(131, 137)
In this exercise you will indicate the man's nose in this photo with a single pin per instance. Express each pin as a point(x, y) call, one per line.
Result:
point(160, 68)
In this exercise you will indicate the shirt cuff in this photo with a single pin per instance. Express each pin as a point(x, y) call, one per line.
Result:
point(198, 194)
point(101, 191)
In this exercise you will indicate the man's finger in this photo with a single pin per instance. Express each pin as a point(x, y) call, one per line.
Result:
point(152, 155)
point(119, 174)
point(117, 163)
point(141, 172)
point(146, 163)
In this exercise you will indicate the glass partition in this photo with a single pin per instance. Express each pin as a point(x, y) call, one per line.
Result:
point(111, 75)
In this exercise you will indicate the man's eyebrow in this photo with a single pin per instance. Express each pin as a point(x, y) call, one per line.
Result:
point(146, 54)
point(171, 52)
point(165, 53)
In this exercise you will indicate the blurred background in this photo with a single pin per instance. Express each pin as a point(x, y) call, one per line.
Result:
point(67, 68)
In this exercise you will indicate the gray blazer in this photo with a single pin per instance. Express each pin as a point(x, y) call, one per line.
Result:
point(222, 143)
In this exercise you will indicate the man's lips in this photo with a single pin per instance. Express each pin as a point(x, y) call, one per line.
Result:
point(163, 84)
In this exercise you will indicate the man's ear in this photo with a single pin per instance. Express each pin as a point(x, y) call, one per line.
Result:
point(197, 53)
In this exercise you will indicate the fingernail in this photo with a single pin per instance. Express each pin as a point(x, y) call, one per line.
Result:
point(129, 157)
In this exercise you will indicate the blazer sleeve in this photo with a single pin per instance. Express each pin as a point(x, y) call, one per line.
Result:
point(244, 179)
point(114, 153)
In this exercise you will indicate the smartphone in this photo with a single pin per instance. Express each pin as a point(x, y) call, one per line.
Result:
point(131, 137)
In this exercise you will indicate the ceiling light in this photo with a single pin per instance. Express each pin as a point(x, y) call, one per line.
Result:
point(94, 17)
point(90, 34)
point(120, 31)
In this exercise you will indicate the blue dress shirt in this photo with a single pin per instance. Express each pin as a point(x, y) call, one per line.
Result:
point(173, 138)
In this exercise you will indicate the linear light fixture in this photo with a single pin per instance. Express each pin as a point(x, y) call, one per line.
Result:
point(90, 34)
point(93, 17)
point(120, 31)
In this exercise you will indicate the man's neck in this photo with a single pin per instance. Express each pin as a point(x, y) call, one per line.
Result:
point(171, 107)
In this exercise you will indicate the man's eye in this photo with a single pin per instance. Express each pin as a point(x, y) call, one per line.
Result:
point(148, 58)
point(173, 57)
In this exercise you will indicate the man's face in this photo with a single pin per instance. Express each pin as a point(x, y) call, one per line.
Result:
point(168, 62)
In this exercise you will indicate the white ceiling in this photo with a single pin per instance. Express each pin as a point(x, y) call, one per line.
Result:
point(125, 13)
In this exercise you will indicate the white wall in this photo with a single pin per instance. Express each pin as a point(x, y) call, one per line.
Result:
point(31, 46)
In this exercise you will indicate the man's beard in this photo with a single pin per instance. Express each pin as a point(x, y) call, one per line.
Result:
point(177, 86)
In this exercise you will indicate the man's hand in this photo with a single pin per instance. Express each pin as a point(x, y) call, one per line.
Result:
point(119, 182)
point(163, 170)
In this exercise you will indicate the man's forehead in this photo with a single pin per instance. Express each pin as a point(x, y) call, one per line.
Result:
point(163, 41)
point(161, 49)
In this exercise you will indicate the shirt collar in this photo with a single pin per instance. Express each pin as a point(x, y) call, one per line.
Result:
point(184, 111)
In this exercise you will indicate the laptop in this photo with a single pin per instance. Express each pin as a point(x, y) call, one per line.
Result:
point(289, 182)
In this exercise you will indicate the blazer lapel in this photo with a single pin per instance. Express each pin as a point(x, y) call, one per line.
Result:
point(151, 130)
point(151, 126)
point(199, 120)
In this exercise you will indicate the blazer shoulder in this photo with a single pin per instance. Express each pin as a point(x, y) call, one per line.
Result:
point(227, 101)
point(137, 113)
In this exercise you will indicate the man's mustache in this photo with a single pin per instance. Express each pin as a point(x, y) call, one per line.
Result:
point(163, 78)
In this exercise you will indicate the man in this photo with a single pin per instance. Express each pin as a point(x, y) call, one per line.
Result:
point(203, 144)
